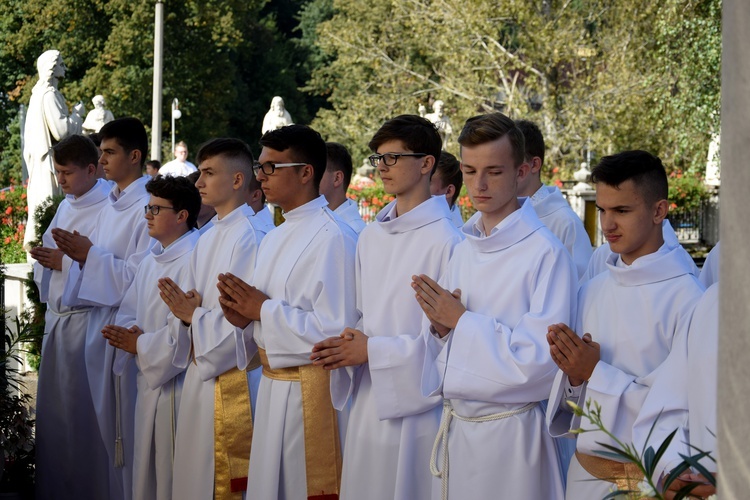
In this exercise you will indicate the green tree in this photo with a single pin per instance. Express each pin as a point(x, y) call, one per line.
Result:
point(593, 73)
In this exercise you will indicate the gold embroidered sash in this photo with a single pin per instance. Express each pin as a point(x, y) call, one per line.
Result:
point(321, 433)
point(233, 434)
point(625, 475)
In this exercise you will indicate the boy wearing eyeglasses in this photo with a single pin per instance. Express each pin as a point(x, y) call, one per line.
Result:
point(68, 406)
point(107, 260)
point(377, 362)
point(212, 442)
point(142, 335)
point(301, 293)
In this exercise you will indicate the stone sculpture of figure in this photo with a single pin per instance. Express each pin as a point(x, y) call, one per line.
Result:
point(277, 116)
point(47, 122)
point(441, 121)
point(97, 117)
point(421, 110)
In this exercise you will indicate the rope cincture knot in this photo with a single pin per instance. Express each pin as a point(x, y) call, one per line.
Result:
point(441, 440)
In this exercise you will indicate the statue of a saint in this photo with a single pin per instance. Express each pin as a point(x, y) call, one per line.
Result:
point(97, 117)
point(47, 122)
point(277, 116)
point(441, 121)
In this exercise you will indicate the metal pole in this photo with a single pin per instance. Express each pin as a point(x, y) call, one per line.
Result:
point(158, 65)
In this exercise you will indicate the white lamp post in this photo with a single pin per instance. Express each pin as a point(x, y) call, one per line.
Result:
point(176, 114)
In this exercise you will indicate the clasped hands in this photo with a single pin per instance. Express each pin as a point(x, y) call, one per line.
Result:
point(123, 338)
point(575, 356)
point(74, 245)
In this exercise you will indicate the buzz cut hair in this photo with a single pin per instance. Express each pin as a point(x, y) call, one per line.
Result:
point(645, 170)
point(339, 159)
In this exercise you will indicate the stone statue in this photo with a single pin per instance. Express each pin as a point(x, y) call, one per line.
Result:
point(277, 116)
point(713, 162)
point(421, 110)
point(441, 121)
point(47, 122)
point(97, 117)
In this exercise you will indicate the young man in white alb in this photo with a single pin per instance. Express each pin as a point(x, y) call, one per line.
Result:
point(301, 292)
point(336, 181)
point(627, 319)
point(142, 335)
point(486, 349)
point(212, 441)
point(550, 205)
point(378, 361)
point(107, 262)
point(71, 464)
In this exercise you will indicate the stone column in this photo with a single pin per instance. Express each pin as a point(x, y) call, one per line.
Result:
point(734, 320)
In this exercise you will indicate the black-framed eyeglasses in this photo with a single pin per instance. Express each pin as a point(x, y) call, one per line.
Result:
point(270, 167)
point(154, 209)
point(390, 159)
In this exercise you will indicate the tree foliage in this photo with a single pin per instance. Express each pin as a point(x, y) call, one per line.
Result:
point(224, 61)
point(599, 75)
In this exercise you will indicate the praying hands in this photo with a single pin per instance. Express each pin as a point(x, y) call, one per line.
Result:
point(182, 304)
point(576, 357)
point(441, 307)
point(74, 245)
point(123, 338)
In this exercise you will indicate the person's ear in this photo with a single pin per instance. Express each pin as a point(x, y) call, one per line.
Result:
point(135, 157)
point(524, 170)
point(338, 178)
point(91, 169)
point(535, 165)
point(238, 181)
point(307, 173)
point(661, 208)
point(428, 162)
point(450, 191)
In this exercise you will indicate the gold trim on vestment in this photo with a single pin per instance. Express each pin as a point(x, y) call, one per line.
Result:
point(233, 434)
point(625, 475)
point(321, 433)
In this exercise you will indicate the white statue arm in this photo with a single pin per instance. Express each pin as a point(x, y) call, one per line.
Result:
point(56, 117)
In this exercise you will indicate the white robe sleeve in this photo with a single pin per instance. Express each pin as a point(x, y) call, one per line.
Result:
point(105, 278)
point(213, 337)
point(126, 317)
point(155, 354)
point(396, 365)
point(494, 362)
point(325, 307)
point(59, 124)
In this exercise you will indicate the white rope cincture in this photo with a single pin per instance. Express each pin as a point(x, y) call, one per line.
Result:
point(174, 416)
point(441, 440)
point(119, 454)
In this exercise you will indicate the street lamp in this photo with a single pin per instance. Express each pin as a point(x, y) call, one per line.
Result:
point(176, 114)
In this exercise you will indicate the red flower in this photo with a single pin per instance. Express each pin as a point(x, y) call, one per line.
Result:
point(9, 210)
point(7, 240)
point(23, 196)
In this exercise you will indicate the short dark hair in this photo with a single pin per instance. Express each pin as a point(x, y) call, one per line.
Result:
point(304, 143)
point(449, 170)
point(417, 134)
point(193, 176)
point(533, 139)
point(77, 150)
point(226, 146)
point(340, 159)
point(129, 133)
point(96, 138)
point(155, 164)
point(180, 191)
point(644, 169)
point(482, 129)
